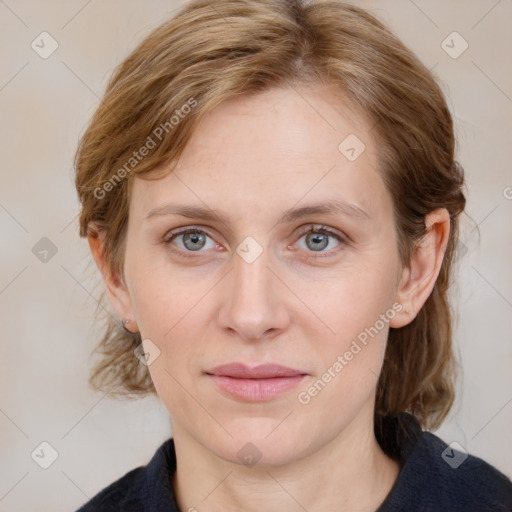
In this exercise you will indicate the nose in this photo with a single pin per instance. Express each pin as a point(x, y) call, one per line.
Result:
point(254, 304)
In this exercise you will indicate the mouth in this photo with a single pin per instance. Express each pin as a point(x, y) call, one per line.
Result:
point(257, 384)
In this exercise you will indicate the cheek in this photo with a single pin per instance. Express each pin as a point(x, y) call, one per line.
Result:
point(171, 322)
point(172, 313)
point(162, 296)
point(357, 312)
point(349, 363)
point(349, 301)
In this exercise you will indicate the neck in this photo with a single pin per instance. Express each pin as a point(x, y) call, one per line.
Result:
point(350, 472)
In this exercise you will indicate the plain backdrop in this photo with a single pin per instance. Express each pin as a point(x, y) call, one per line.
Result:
point(47, 307)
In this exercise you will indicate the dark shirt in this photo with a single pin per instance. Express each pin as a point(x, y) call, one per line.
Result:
point(433, 478)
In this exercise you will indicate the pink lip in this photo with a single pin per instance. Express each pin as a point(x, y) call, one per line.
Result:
point(255, 384)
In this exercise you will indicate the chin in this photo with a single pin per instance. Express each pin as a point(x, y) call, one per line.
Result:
point(257, 442)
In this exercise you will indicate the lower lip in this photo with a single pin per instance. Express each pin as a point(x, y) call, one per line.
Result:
point(255, 390)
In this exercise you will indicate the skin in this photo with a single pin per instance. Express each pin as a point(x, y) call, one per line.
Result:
point(253, 158)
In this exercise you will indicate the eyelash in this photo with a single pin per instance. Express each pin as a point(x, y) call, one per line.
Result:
point(196, 230)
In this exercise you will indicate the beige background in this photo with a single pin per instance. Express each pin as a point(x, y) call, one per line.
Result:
point(46, 309)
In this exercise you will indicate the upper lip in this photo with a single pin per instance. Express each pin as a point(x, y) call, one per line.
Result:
point(263, 371)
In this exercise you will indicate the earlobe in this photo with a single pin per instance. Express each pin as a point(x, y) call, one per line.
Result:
point(418, 279)
point(115, 288)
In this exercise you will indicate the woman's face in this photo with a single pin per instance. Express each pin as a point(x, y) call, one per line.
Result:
point(254, 288)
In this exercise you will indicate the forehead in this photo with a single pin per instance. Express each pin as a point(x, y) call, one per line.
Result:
point(273, 148)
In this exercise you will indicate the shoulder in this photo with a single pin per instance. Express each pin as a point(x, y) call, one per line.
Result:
point(436, 477)
point(126, 493)
point(463, 480)
point(140, 488)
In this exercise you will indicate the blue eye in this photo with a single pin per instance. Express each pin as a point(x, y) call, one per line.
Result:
point(317, 238)
point(192, 239)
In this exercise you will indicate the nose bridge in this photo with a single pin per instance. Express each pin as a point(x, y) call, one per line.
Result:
point(253, 306)
point(251, 277)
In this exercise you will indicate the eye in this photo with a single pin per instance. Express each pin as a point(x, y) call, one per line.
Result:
point(318, 238)
point(189, 240)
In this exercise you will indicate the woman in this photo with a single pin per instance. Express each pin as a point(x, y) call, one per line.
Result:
point(270, 193)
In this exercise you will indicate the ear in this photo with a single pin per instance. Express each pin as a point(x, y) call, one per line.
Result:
point(115, 287)
point(418, 279)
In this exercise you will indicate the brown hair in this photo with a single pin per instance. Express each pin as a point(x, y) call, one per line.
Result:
point(210, 52)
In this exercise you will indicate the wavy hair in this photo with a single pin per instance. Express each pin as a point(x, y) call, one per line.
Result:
point(211, 51)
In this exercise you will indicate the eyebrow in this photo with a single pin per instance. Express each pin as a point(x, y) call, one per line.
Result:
point(336, 207)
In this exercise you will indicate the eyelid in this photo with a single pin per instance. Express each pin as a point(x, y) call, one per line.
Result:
point(169, 235)
point(322, 228)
